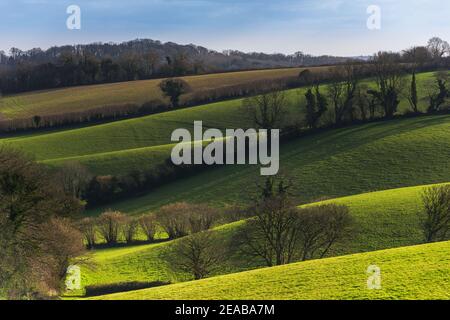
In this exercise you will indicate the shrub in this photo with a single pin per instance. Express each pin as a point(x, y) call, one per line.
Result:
point(181, 219)
point(233, 213)
point(173, 220)
point(281, 233)
point(109, 226)
point(88, 228)
point(129, 226)
point(153, 106)
point(35, 242)
point(320, 227)
point(174, 88)
point(148, 226)
point(197, 254)
point(59, 243)
point(201, 217)
point(435, 222)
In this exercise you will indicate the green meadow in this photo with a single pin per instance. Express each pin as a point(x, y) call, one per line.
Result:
point(377, 169)
point(382, 220)
point(417, 272)
point(82, 98)
point(332, 164)
point(113, 142)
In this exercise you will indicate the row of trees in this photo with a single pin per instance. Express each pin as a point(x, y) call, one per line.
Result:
point(348, 96)
point(346, 100)
point(178, 92)
point(435, 221)
point(353, 99)
point(72, 66)
point(139, 59)
point(276, 232)
point(175, 221)
point(345, 96)
point(39, 237)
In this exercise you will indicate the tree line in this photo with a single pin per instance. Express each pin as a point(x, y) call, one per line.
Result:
point(186, 97)
point(344, 97)
point(140, 59)
point(168, 223)
point(348, 97)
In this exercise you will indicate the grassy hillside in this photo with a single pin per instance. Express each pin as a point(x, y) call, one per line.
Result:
point(419, 272)
point(383, 220)
point(332, 164)
point(154, 130)
point(149, 131)
point(87, 97)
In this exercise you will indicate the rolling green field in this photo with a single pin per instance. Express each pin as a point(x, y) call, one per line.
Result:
point(418, 272)
point(345, 165)
point(137, 92)
point(332, 164)
point(111, 142)
point(382, 220)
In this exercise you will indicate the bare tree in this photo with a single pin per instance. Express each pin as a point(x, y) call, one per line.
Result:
point(390, 82)
point(129, 228)
point(363, 103)
point(280, 233)
point(148, 226)
point(60, 242)
point(272, 234)
point(267, 110)
point(201, 217)
point(173, 219)
point(438, 47)
point(75, 178)
point(435, 221)
point(109, 226)
point(88, 228)
point(151, 60)
point(197, 254)
point(181, 219)
point(416, 57)
point(233, 213)
point(342, 90)
point(320, 227)
point(29, 200)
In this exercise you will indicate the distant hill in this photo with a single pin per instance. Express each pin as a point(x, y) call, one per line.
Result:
point(226, 60)
point(133, 60)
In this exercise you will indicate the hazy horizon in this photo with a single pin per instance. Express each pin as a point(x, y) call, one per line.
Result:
point(328, 27)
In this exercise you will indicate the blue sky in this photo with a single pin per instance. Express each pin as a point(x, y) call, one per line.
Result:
point(314, 26)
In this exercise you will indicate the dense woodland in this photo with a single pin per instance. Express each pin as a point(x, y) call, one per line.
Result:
point(134, 60)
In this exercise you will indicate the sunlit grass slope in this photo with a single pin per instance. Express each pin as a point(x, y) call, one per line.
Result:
point(87, 97)
point(332, 164)
point(85, 144)
point(82, 98)
point(382, 220)
point(418, 272)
